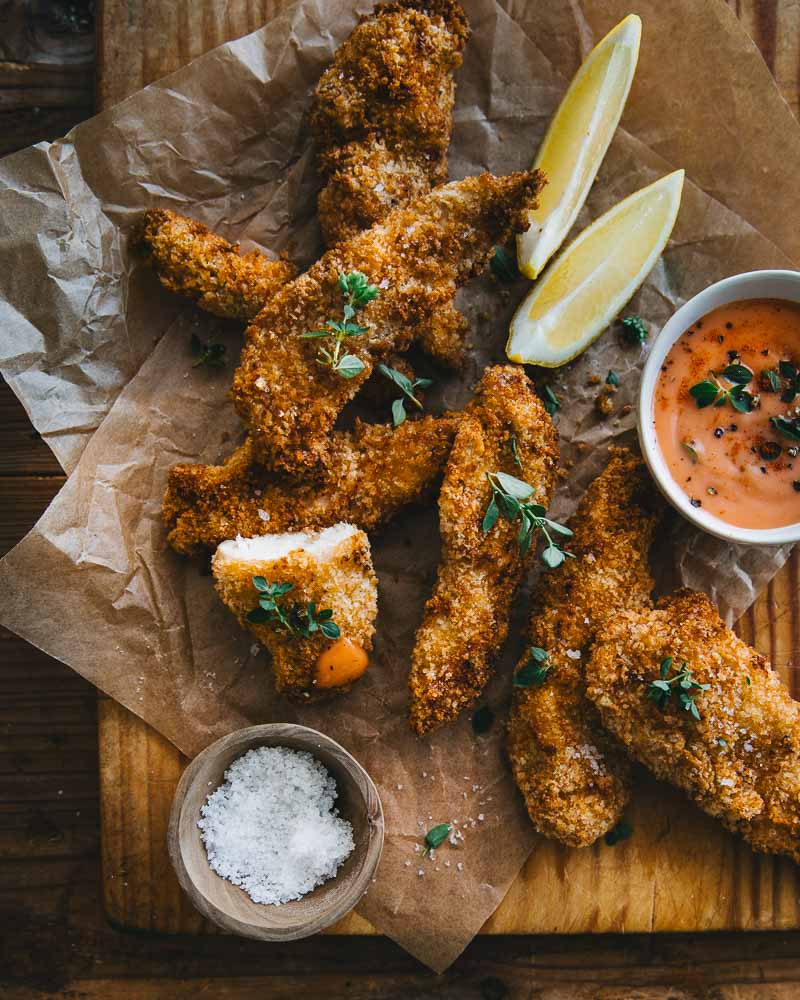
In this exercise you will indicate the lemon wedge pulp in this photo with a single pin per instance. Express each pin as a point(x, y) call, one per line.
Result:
point(577, 140)
point(587, 285)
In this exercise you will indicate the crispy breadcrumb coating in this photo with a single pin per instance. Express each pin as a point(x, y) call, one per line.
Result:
point(382, 112)
point(332, 569)
point(194, 262)
point(741, 761)
point(417, 257)
point(466, 618)
point(374, 471)
point(574, 778)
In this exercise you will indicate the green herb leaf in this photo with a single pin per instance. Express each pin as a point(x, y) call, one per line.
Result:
point(399, 379)
point(612, 378)
point(535, 671)
point(690, 451)
point(681, 687)
point(773, 379)
point(491, 516)
point(634, 330)
point(788, 427)
point(503, 265)
point(515, 453)
point(552, 403)
point(516, 488)
point(398, 412)
point(741, 400)
point(704, 393)
point(436, 836)
point(482, 720)
point(330, 629)
point(511, 499)
point(740, 374)
point(349, 366)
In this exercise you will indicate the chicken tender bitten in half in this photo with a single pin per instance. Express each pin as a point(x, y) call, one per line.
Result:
point(575, 779)
point(194, 262)
point(382, 112)
point(417, 258)
point(374, 472)
point(740, 761)
point(466, 618)
point(328, 571)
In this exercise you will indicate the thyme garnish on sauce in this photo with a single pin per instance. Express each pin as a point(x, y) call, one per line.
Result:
point(682, 685)
point(711, 391)
point(535, 671)
point(357, 292)
point(511, 498)
point(407, 387)
point(295, 619)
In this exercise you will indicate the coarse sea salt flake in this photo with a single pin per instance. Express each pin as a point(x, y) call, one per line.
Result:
point(272, 828)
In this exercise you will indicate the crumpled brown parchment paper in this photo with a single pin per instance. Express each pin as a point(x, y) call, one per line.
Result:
point(88, 340)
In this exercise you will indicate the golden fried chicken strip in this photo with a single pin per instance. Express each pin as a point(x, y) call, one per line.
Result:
point(466, 618)
point(331, 569)
point(382, 112)
point(740, 761)
point(194, 262)
point(417, 258)
point(575, 779)
point(374, 471)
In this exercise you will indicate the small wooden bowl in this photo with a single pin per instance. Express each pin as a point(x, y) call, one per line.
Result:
point(225, 903)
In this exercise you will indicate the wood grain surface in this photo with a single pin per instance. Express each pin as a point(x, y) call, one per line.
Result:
point(54, 939)
point(724, 886)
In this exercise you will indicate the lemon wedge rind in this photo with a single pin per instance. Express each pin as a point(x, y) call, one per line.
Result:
point(587, 285)
point(577, 140)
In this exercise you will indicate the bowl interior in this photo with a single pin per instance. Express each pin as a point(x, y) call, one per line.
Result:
point(751, 285)
point(228, 905)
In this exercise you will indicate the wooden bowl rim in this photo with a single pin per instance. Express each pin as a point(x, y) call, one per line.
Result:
point(271, 734)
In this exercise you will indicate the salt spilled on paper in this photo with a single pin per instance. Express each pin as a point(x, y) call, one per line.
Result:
point(272, 828)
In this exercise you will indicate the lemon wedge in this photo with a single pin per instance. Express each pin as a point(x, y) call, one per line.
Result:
point(577, 140)
point(587, 285)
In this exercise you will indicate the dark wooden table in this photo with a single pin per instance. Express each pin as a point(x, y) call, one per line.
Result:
point(54, 938)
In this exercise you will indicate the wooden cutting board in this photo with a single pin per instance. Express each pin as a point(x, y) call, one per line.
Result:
point(679, 871)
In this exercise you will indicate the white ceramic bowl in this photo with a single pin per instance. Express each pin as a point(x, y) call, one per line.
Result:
point(752, 285)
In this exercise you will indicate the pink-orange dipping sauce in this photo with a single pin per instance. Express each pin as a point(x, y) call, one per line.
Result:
point(735, 465)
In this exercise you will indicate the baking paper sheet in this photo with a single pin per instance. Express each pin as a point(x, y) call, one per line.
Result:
point(88, 339)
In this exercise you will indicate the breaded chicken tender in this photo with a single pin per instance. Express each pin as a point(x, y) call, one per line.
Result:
point(382, 112)
point(311, 590)
point(575, 779)
point(374, 471)
point(192, 261)
point(740, 760)
point(417, 258)
point(466, 618)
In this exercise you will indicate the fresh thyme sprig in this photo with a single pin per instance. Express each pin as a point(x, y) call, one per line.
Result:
point(357, 292)
point(711, 391)
point(682, 685)
point(295, 619)
point(209, 354)
point(535, 671)
point(634, 331)
point(407, 387)
point(511, 498)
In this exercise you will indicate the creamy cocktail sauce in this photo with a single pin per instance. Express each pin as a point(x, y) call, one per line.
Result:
point(743, 467)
